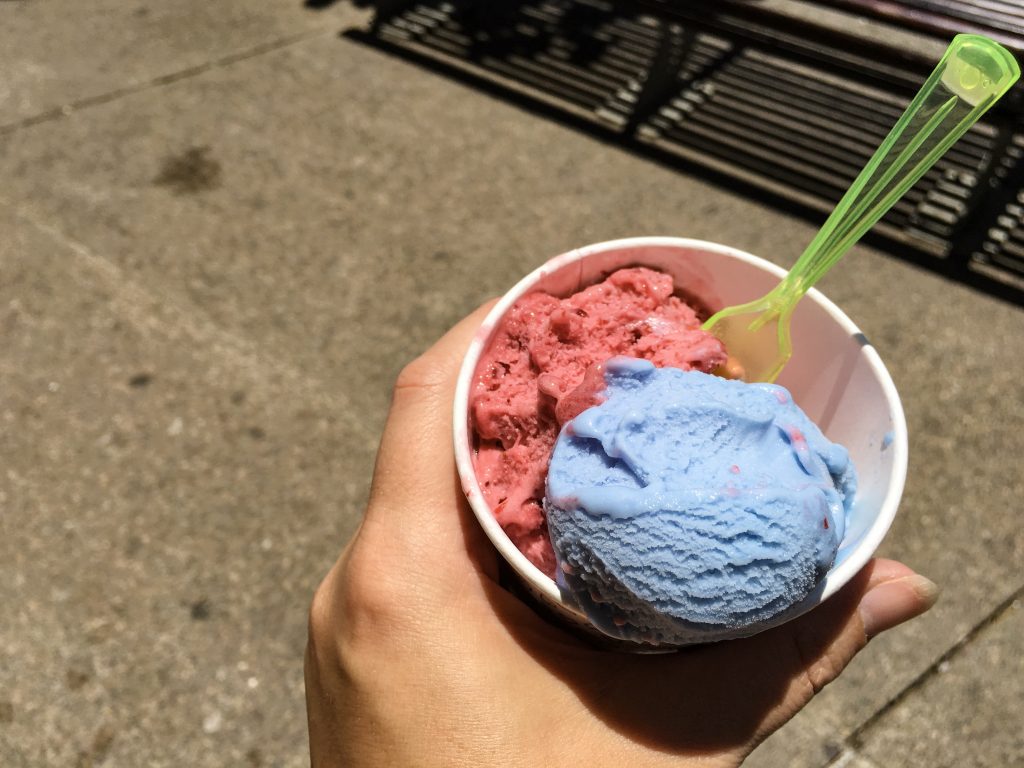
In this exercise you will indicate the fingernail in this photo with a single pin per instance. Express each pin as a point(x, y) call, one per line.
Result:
point(897, 601)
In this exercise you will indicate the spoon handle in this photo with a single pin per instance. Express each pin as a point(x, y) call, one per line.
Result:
point(972, 75)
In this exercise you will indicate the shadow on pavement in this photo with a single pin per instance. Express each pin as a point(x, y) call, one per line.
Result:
point(769, 106)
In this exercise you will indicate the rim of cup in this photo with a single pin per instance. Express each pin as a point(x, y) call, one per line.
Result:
point(536, 579)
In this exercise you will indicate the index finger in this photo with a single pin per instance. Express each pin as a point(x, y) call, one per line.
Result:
point(415, 484)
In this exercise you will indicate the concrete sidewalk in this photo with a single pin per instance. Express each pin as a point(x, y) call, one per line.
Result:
point(225, 230)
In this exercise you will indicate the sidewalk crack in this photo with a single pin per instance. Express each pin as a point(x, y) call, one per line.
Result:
point(70, 108)
point(853, 743)
point(850, 758)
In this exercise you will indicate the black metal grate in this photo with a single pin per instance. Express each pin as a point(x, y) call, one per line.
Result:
point(770, 118)
point(1001, 254)
point(581, 54)
point(774, 102)
point(1000, 19)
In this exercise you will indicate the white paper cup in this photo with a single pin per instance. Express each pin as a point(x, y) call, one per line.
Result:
point(835, 375)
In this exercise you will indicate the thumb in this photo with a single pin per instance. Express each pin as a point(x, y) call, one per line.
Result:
point(823, 642)
point(725, 698)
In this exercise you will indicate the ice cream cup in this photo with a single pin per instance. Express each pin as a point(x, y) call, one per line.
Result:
point(835, 375)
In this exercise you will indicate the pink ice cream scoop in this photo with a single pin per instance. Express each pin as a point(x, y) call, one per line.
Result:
point(542, 368)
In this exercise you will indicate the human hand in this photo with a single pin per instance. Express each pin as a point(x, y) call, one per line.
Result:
point(417, 657)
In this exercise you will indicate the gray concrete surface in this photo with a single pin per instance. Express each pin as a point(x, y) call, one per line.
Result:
point(169, 495)
point(65, 55)
point(968, 701)
point(212, 269)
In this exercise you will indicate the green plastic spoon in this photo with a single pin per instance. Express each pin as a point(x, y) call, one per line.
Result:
point(972, 75)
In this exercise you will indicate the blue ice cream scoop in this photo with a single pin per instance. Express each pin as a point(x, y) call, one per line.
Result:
point(688, 508)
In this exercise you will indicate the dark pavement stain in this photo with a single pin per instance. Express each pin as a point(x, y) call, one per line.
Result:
point(133, 547)
point(97, 751)
point(238, 397)
point(200, 610)
point(254, 758)
point(257, 433)
point(76, 678)
point(6, 712)
point(189, 173)
point(140, 380)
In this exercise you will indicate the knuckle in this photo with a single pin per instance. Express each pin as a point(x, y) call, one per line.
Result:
point(413, 375)
point(820, 661)
point(322, 647)
point(822, 671)
point(419, 374)
point(320, 611)
point(352, 609)
point(372, 603)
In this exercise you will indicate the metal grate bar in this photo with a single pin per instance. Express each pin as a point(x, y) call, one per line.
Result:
point(1002, 19)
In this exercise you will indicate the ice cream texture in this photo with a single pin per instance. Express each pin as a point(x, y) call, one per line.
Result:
point(687, 507)
point(542, 368)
